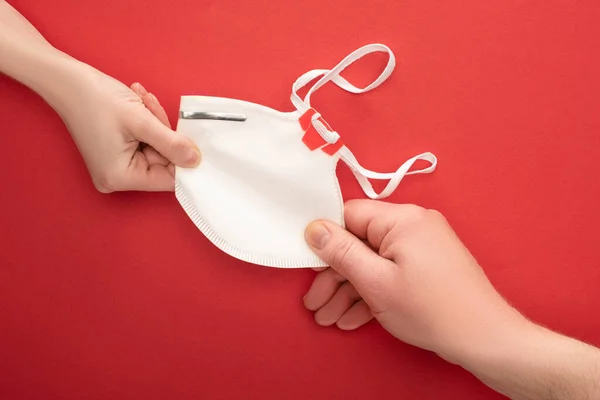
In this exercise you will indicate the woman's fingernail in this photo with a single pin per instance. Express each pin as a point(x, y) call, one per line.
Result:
point(193, 157)
point(317, 235)
point(153, 98)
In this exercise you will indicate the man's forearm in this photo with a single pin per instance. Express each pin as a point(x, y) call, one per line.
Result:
point(535, 363)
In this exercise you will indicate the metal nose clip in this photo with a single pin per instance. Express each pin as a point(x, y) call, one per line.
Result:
point(212, 115)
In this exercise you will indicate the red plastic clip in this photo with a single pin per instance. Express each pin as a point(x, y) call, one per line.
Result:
point(312, 139)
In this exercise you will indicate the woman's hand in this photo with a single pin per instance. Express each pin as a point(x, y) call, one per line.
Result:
point(122, 133)
point(124, 136)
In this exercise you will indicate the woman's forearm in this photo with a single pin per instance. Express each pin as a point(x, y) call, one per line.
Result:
point(26, 56)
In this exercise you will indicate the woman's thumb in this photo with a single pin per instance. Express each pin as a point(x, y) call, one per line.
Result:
point(174, 146)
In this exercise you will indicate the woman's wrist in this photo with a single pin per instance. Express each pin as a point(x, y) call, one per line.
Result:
point(30, 59)
point(59, 79)
point(54, 75)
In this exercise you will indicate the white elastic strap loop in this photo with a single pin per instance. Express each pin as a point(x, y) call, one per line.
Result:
point(363, 175)
point(334, 75)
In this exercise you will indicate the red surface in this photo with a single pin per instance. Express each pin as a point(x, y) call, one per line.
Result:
point(119, 296)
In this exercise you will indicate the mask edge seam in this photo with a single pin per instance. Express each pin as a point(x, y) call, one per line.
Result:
point(244, 255)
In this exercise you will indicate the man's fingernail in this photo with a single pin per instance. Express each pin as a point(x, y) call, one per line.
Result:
point(317, 235)
point(140, 89)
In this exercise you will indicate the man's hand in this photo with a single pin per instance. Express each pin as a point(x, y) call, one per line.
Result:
point(405, 266)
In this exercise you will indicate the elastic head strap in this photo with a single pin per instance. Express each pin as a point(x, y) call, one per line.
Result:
point(362, 174)
point(334, 75)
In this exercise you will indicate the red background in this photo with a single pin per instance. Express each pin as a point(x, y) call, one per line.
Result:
point(120, 296)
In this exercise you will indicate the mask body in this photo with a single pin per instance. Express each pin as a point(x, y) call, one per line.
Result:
point(265, 174)
point(258, 185)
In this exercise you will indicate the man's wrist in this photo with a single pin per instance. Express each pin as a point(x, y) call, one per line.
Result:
point(481, 328)
point(511, 334)
point(527, 361)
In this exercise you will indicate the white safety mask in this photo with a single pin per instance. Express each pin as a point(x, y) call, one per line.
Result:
point(265, 174)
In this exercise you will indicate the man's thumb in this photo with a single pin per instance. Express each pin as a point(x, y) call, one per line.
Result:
point(174, 146)
point(347, 255)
